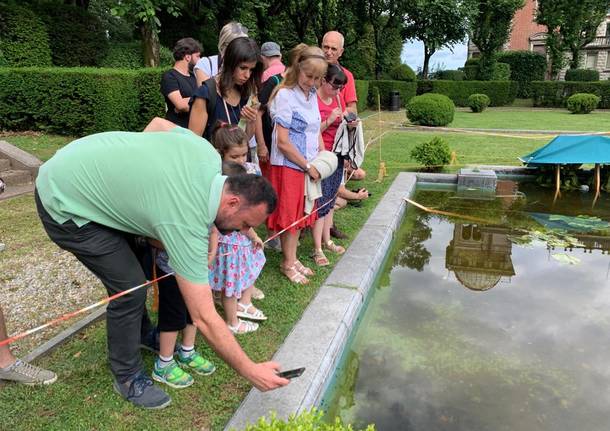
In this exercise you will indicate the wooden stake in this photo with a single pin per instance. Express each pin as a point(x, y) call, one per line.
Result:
point(557, 183)
point(598, 181)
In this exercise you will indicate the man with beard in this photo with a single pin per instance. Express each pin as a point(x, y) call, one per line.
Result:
point(94, 195)
point(179, 83)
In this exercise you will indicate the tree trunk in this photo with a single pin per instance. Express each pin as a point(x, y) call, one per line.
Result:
point(150, 45)
point(575, 62)
point(427, 55)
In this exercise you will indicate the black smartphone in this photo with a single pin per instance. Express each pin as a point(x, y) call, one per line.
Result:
point(291, 374)
point(358, 191)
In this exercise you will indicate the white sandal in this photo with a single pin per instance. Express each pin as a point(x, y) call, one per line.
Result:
point(248, 327)
point(257, 293)
point(242, 311)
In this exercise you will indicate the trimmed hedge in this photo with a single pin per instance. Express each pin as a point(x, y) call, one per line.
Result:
point(501, 93)
point(582, 103)
point(362, 92)
point(450, 75)
point(128, 55)
point(584, 75)
point(525, 67)
point(78, 101)
point(23, 38)
point(556, 93)
point(430, 109)
point(501, 72)
point(407, 91)
point(478, 102)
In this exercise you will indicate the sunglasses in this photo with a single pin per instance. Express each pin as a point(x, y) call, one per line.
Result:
point(336, 86)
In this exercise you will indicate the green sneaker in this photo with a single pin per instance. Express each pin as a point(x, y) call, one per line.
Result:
point(197, 363)
point(172, 375)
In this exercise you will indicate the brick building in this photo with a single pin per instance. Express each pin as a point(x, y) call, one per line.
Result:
point(527, 35)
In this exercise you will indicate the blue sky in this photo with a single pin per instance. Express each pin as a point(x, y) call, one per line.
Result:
point(413, 55)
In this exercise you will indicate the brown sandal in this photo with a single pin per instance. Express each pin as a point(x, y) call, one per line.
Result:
point(307, 272)
point(319, 258)
point(294, 275)
point(331, 246)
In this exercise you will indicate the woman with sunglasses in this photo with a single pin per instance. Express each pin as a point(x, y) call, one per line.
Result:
point(331, 113)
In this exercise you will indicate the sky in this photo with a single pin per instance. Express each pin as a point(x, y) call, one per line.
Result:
point(413, 55)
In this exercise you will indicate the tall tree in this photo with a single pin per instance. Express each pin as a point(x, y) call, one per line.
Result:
point(490, 30)
point(438, 24)
point(571, 25)
point(144, 14)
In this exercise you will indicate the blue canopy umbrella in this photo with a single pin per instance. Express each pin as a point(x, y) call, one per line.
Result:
point(573, 149)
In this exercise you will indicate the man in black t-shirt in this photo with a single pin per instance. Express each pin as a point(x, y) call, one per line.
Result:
point(179, 84)
point(264, 128)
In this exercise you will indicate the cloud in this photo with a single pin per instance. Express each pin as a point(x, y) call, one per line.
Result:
point(413, 55)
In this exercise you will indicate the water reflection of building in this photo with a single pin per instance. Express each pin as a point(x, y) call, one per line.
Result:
point(479, 255)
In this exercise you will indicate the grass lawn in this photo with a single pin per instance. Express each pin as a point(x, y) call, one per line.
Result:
point(83, 397)
point(533, 119)
point(41, 146)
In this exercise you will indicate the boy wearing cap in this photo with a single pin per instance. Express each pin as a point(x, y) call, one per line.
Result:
point(272, 60)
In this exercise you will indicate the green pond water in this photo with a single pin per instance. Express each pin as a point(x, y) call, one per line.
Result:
point(498, 324)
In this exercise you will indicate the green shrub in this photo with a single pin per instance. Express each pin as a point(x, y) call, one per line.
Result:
point(430, 110)
point(472, 61)
point(450, 75)
point(433, 155)
point(23, 37)
point(525, 67)
point(76, 36)
point(362, 92)
point(500, 93)
point(406, 89)
point(556, 93)
point(582, 103)
point(78, 101)
point(129, 55)
point(586, 75)
point(501, 72)
point(308, 421)
point(402, 72)
point(470, 72)
point(478, 102)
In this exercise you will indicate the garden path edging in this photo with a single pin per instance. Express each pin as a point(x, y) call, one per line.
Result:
point(318, 339)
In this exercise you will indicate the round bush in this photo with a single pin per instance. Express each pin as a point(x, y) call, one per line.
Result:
point(450, 75)
point(478, 102)
point(582, 103)
point(402, 72)
point(433, 155)
point(582, 75)
point(23, 38)
point(76, 36)
point(430, 109)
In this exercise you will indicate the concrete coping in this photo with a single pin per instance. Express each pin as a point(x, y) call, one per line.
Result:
point(318, 339)
point(20, 159)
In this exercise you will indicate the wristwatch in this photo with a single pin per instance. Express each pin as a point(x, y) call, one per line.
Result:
point(307, 167)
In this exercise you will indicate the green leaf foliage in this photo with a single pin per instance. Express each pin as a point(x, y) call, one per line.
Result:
point(556, 93)
point(76, 36)
point(500, 93)
point(402, 72)
point(23, 37)
point(582, 75)
point(500, 72)
point(478, 102)
point(430, 109)
point(525, 67)
point(407, 90)
point(450, 75)
point(308, 421)
point(362, 92)
point(433, 154)
point(78, 101)
point(582, 103)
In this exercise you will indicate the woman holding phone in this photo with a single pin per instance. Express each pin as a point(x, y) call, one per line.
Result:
point(229, 96)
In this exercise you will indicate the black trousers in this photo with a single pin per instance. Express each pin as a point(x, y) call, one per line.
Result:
point(111, 256)
point(173, 314)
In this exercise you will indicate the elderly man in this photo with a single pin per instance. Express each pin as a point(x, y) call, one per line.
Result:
point(166, 184)
point(272, 60)
point(332, 45)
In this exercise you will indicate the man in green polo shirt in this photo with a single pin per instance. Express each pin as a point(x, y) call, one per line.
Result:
point(96, 193)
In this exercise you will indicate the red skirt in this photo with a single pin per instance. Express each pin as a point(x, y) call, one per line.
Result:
point(289, 184)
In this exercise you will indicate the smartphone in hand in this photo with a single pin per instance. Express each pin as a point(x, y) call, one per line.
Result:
point(291, 374)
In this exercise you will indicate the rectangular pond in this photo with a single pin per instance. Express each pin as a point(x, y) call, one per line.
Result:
point(496, 322)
